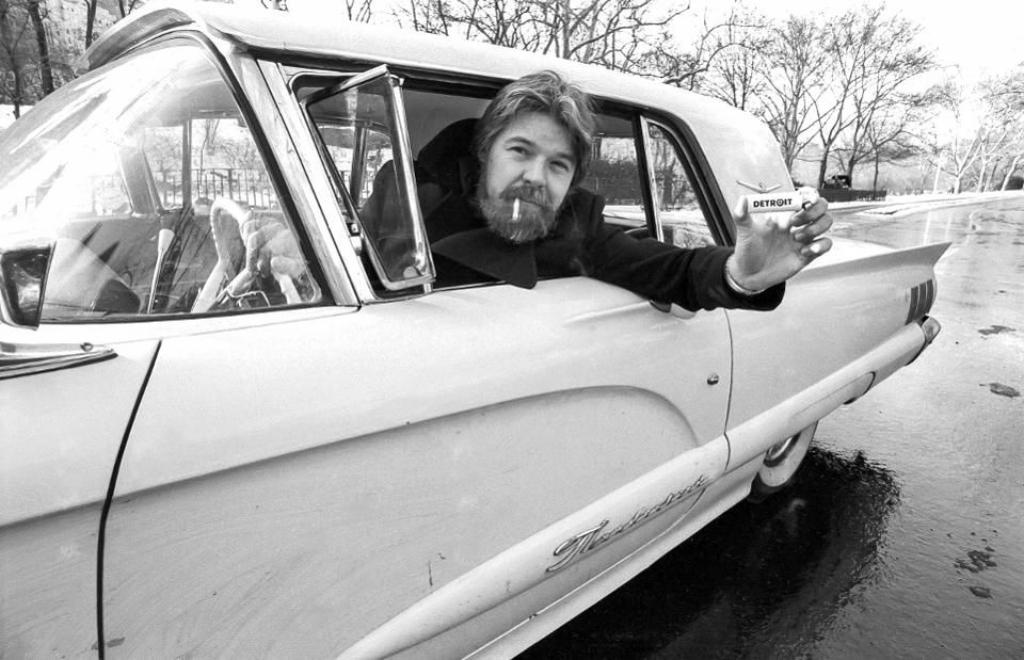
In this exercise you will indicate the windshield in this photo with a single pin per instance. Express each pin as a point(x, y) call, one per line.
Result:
point(148, 182)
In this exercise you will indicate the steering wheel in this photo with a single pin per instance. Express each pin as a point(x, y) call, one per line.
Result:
point(225, 218)
point(171, 224)
point(269, 248)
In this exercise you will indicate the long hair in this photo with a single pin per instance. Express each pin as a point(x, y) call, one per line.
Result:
point(544, 92)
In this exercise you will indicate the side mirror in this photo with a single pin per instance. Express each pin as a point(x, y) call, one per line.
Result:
point(23, 270)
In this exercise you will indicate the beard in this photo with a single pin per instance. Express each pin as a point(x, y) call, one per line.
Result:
point(536, 216)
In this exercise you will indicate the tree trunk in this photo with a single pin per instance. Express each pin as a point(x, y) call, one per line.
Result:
point(938, 173)
point(1009, 172)
point(16, 92)
point(851, 164)
point(823, 167)
point(90, 21)
point(45, 67)
point(992, 173)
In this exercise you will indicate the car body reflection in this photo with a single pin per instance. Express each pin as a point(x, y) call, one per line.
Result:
point(761, 581)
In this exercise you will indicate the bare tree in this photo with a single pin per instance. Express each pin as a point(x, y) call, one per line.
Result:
point(123, 8)
point(618, 34)
point(360, 11)
point(37, 11)
point(890, 137)
point(957, 143)
point(711, 62)
point(90, 21)
point(15, 56)
point(796, 78)
point(1003, 100)
point(878, 57)
point(735, 72)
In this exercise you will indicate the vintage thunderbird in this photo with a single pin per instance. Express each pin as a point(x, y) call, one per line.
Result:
point(241, 418)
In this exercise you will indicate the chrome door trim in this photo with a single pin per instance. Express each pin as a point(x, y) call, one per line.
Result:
point(24, 359)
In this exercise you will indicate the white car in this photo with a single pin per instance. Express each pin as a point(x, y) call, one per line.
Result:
point(240, 420)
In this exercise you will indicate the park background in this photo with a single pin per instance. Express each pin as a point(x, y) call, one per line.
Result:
point(901, 98)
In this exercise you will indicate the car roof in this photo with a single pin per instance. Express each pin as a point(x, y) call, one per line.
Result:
point(730, 137)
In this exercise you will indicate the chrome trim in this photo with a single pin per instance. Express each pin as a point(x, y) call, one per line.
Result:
point(652, 179)
point(761, 187)
point(697, 177)
point(777, 452)
point(341, 263)
point(930, 328)
point(402, 155)
point(922, 296)
point(20, 360)
point(269, 108)
point(423, 256)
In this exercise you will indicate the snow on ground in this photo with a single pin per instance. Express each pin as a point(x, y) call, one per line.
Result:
point(897, 205)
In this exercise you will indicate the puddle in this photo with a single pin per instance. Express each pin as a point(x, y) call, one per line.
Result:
point(996, 329)
point(1001, 390)
point(977, 560)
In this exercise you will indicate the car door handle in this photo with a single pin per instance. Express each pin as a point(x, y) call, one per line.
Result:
point(22, 359)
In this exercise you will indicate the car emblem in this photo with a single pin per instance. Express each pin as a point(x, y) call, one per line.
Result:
point(594, 537)
point(761, 187)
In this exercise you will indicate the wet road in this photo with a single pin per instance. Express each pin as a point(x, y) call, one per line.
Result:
point(903, 534)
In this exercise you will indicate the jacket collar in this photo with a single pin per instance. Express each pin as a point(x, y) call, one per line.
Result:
point(486, 252)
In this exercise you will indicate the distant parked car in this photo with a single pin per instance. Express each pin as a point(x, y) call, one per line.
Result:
point(239, 420)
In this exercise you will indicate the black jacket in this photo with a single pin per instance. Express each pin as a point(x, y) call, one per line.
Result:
point(583, 244)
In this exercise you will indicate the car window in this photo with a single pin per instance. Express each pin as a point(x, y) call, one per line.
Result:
point(358, 123)
point(682, 219)
point(155, 194)
point(616, 172)
point(361, 145)
point(616, 175)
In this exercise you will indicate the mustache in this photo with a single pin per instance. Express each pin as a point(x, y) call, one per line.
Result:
point(527, 193)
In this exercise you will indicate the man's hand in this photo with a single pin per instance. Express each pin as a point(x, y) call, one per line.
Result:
point(773, 248)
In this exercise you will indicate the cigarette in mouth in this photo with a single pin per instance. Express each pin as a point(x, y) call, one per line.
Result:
point(515, 210)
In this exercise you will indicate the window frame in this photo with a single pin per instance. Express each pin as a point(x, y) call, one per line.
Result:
point(245, 104)
point(694, 165)
point(401, 155)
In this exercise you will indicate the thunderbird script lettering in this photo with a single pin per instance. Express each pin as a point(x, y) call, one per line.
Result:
point(595, 537)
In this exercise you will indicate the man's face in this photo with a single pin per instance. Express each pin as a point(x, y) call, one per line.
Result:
point(530, 161)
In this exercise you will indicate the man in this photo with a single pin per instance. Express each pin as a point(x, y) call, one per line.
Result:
point(525, 217)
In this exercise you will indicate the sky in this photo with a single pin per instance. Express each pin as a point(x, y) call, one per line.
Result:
point(984, 39)
point(980, 36)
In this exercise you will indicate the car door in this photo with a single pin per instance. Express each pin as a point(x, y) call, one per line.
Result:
point(290, 487)
point(66, 402)
point(101, 260)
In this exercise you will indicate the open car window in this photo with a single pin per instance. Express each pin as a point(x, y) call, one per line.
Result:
point(682, 220)
point(154, 195)
point(360, 125)
point(638, 166)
